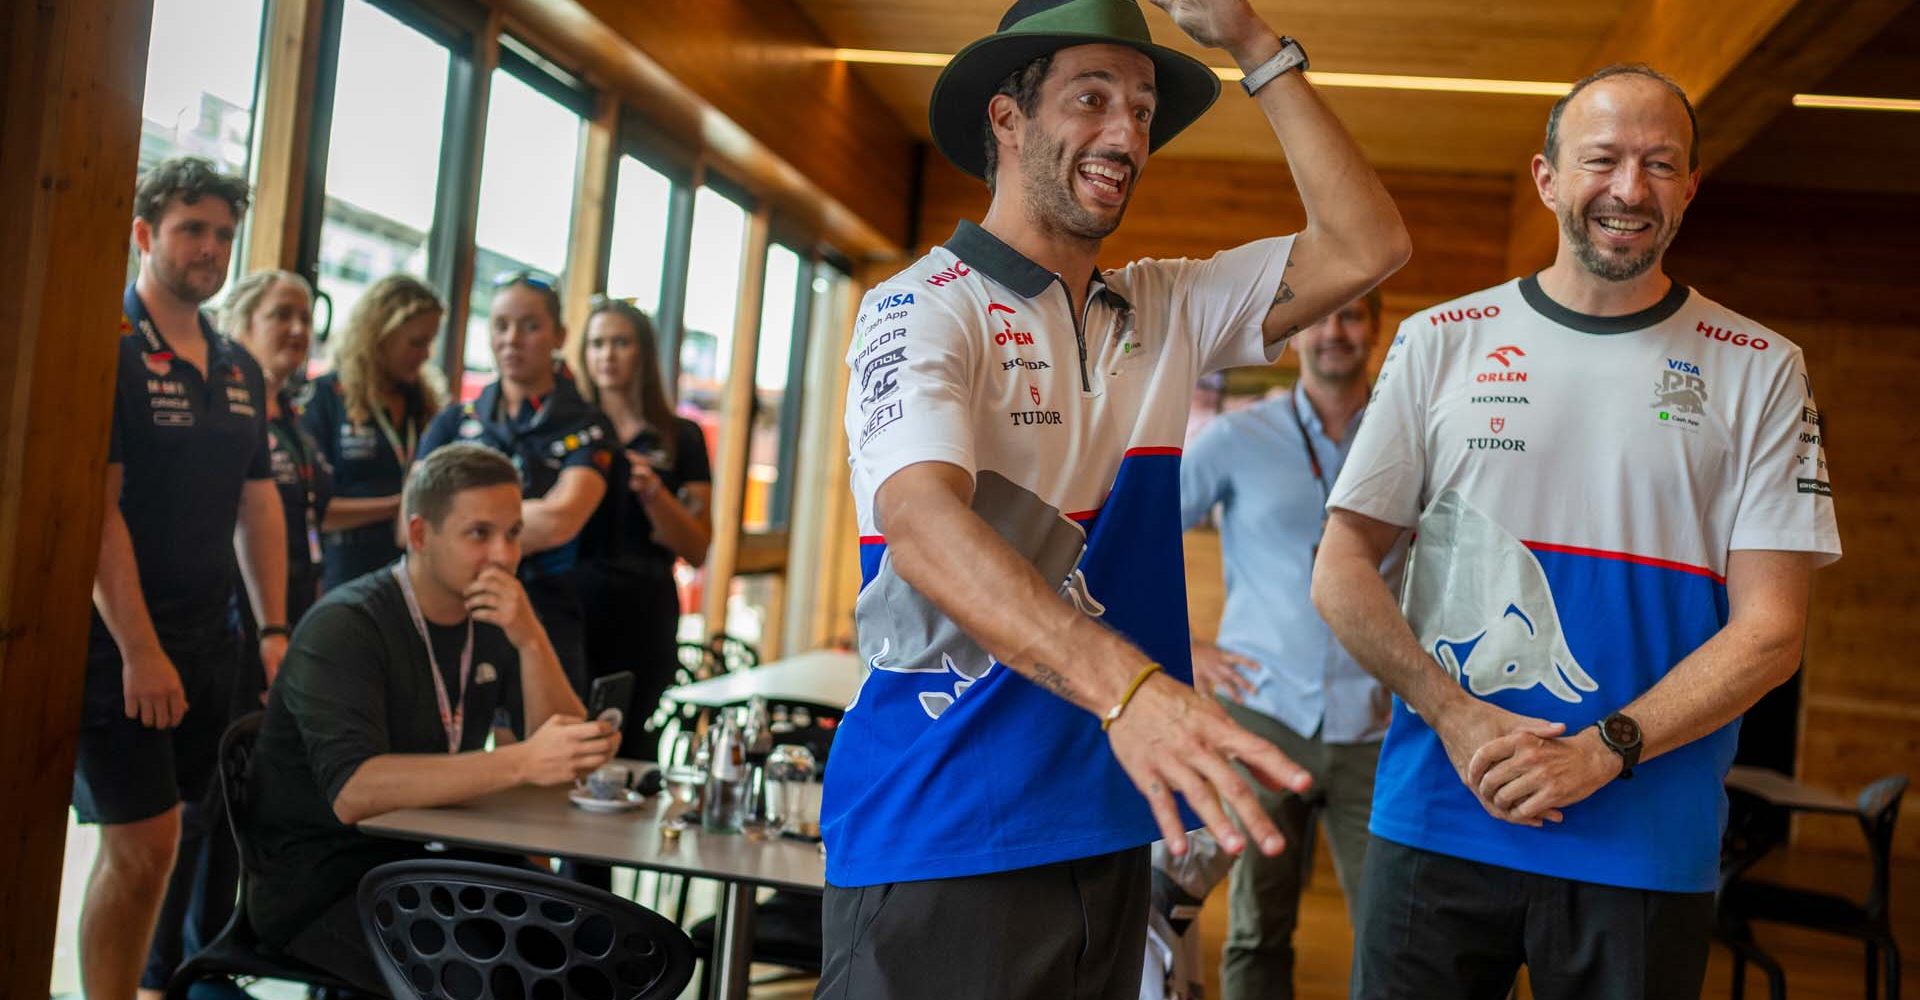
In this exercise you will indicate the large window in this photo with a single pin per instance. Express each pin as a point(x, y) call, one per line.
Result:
point(773, 419)
point(526, 201)
point(637, 258)
point(383, 160)
point(713, 302)
point(203, 62)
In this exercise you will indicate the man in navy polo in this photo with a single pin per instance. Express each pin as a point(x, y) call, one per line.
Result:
point(188, 461)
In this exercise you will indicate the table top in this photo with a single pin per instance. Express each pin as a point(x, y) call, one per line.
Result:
point(828, 677)
point(529, 820)
point(1781, 790)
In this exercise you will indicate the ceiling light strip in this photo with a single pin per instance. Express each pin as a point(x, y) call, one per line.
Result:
point(1855, 103)
point(1372, 81)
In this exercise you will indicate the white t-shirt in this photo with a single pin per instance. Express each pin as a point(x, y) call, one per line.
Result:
point(1576, 484)
point(1071, 427)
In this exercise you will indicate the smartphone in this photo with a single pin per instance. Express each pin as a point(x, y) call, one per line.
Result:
point(613, 691)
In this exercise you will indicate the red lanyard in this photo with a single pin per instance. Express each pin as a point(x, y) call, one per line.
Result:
point(453, 715)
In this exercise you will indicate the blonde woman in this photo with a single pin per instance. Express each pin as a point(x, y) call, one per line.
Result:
point(368, 415)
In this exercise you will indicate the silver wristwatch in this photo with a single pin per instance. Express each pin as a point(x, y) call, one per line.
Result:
point(1290, 56)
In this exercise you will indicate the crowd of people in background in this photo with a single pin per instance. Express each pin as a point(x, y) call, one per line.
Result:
point(241, 492)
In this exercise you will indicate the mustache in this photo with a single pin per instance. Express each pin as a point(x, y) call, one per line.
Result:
point(1615, 207)
point(1113, 156)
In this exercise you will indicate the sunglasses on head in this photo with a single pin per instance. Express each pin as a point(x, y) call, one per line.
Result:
point(532, 279)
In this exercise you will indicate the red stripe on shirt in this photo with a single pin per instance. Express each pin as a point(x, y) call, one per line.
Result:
point(1575, 550)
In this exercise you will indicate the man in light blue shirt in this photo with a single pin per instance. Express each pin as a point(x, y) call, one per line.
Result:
point(1277, 667)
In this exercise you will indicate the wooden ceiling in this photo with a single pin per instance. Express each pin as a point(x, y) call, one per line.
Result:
point(1550, 40)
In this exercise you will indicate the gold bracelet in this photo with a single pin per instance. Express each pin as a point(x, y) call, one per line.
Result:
point(1113, 714)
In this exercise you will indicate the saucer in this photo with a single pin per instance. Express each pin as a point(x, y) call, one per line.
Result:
point(630, 800)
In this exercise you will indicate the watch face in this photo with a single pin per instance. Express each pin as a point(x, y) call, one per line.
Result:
point(1622, 731)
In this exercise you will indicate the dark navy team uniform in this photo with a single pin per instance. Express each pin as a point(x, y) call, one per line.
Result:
point(187, 443)
point(545, 438)
point(625, 578)
point(368, 460)
point(305, 482)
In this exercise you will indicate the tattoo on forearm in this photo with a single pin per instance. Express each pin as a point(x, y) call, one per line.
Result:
point(1049, 678)
point(1284, 296)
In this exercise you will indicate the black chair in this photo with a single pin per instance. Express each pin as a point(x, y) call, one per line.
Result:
point(786, 932)
point(468, 931)
point(1744, 900)
point(237, 951)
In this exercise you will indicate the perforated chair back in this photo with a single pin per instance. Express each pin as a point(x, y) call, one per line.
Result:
point(458, 930)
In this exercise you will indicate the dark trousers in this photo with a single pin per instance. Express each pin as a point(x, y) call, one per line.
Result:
point(1435, 927)
point(1073, 930)
point(335, 942)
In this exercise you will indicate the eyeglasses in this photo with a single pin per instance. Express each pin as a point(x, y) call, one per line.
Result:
point(532, 279)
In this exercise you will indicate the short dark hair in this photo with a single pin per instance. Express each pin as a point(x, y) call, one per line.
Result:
point(189, 178)
point(1023, 85)
point(1551, 150)
point(452, 470)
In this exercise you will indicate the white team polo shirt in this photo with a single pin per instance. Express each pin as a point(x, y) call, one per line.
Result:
point(1071, 426)
point(1576, 484)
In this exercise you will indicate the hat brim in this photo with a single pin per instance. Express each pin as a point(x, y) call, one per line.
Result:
point(957, 114)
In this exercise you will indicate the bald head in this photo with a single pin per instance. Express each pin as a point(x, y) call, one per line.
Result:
point(1624, 86)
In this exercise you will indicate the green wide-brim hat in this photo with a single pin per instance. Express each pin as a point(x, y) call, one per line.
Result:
point(1034, 28)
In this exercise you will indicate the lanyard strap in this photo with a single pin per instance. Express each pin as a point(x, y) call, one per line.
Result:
point(401, 452)
point(453, 715)
point(287, 429)
point(1313, 457)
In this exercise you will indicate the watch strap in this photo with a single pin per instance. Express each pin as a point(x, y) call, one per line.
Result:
point(1290, 56)
point(1629, 753)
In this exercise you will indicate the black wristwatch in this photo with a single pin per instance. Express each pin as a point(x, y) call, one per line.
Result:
point(1622, 736)
point(269, 631)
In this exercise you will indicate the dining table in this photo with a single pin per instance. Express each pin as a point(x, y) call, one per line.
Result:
point(543, 822)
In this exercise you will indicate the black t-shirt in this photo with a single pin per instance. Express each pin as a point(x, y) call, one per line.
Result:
point(545, 438)
point(620, 533)
point(354, 685)
point(187, 444)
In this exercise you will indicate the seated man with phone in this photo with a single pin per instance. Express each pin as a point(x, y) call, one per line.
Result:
point(389, 690)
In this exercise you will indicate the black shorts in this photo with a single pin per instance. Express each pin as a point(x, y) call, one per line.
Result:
point(1072, 930)
point(127, 772)
point(1434, 927)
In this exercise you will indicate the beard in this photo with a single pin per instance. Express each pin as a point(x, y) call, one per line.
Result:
point(195, 283)
point(1047, 173)
point(1613, 267)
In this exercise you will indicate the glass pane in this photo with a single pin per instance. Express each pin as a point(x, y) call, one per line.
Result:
point(383, 159)
point(772, 360)
point(713, 300)
point(637, 258)
point(526, 202)
point(751, 602)
point(202, 71)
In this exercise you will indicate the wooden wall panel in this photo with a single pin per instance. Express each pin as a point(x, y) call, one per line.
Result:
point(1831, 272)
point(69, 143)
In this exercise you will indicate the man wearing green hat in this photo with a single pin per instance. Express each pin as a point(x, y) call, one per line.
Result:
point(1028, 725)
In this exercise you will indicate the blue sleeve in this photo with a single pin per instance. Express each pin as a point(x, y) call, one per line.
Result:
point(319, 419)
point(261, 467)
point(1206, 472)
point(593, 448)
point(443, 431)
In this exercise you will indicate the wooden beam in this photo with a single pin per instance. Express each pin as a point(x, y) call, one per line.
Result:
point(592, 208)
point(283, 122)
point(1739, 62)
point(69, 145)
point(736, 426)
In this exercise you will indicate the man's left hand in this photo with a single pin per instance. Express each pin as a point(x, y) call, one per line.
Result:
point(1528, 776)
point(496, 597)
point(273, 649)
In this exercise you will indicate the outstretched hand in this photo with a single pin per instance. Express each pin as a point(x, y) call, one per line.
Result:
point(1216, 24)
point(1171, 739)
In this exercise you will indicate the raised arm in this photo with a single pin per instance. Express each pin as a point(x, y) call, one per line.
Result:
point(1169, 740)
point(1354, 237)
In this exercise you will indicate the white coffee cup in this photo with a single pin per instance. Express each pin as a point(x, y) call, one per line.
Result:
point(610, 781)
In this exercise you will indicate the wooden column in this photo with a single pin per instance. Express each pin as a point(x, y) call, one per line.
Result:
point(736, 427)
point(73, 74)
point(592, 208)
point(283, 122)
